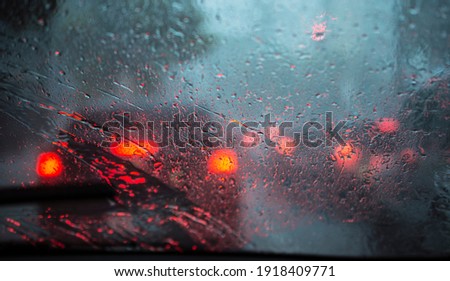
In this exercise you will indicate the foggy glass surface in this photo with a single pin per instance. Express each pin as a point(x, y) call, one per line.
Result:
point(69, 67)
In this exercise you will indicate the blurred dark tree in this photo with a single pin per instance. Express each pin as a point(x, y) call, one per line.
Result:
point(21, 13)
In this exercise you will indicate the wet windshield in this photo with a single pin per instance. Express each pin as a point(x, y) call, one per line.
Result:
point(304, 127)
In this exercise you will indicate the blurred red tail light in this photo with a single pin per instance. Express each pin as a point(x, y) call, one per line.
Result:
point(49, 165)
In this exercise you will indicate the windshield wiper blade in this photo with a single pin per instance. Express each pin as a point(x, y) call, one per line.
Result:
point(48, 193)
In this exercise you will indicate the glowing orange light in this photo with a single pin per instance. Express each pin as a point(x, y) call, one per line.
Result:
point(387, 125)
point(347, 156)
point(223, 161)
point(128, 148)
point(49, 165)
point(285, 146)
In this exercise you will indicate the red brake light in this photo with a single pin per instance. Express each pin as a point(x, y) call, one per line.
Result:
point(408, 156)
point(129, 148)
point(223, 161)
point(387, 125)
point(49, 165)
point(347, 156)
